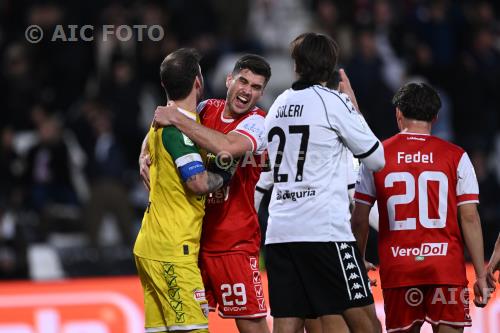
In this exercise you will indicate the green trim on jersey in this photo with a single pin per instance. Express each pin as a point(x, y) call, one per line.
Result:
point(176, 143)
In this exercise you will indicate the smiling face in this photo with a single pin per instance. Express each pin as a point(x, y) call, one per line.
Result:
point(243, 91)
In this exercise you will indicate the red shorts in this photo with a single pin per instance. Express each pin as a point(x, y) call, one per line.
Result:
point(233, 282)
point(436, 304)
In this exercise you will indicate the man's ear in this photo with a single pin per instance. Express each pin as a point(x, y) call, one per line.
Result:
point(229, 78)
point(399, 114)
point(399, 118)
point(197, 83)
point(435, 119)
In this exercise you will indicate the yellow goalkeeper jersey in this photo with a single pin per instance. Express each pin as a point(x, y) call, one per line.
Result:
point(171, 226)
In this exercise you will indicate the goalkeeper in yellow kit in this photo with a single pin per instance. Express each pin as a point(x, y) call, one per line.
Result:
point(167, 246)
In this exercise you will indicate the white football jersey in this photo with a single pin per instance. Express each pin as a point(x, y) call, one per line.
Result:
point(311, 134)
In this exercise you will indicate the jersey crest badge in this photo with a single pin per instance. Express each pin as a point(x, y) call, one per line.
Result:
point(187, 141)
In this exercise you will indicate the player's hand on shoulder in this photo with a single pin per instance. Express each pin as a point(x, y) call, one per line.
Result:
point(164, 115)
point(144, 163)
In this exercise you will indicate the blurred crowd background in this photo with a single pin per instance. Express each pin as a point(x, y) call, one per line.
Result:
point(73, 114)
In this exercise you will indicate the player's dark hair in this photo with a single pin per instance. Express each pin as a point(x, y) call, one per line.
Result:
point(178, 72)
point(255, 63)
point(417, 101)
point(315, 57)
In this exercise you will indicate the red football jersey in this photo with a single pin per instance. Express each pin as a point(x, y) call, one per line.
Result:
point(423, 182)
point(231, 222)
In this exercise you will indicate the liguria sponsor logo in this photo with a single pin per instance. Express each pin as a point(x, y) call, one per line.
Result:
point(289, 195)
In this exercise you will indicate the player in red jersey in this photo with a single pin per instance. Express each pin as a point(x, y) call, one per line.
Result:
point(426, 193)
point(229, 256)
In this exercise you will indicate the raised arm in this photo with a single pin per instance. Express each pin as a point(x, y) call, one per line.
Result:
point(349, 123)
point(345, 87)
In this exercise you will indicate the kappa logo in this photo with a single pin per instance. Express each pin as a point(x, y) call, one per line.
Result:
point(356, 286)
point(350, 266)
point(343, 246)
point(353, 276)
point(253, 263)
point(347, 256)
point(358, 296)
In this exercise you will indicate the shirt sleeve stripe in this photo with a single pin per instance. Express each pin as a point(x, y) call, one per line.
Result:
point(249, 136)
point(467, 197)
point(369, 152)
point(467, 202)
point(185, 159)
point(364, 198)
point(363, 202)
point(190, 169)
